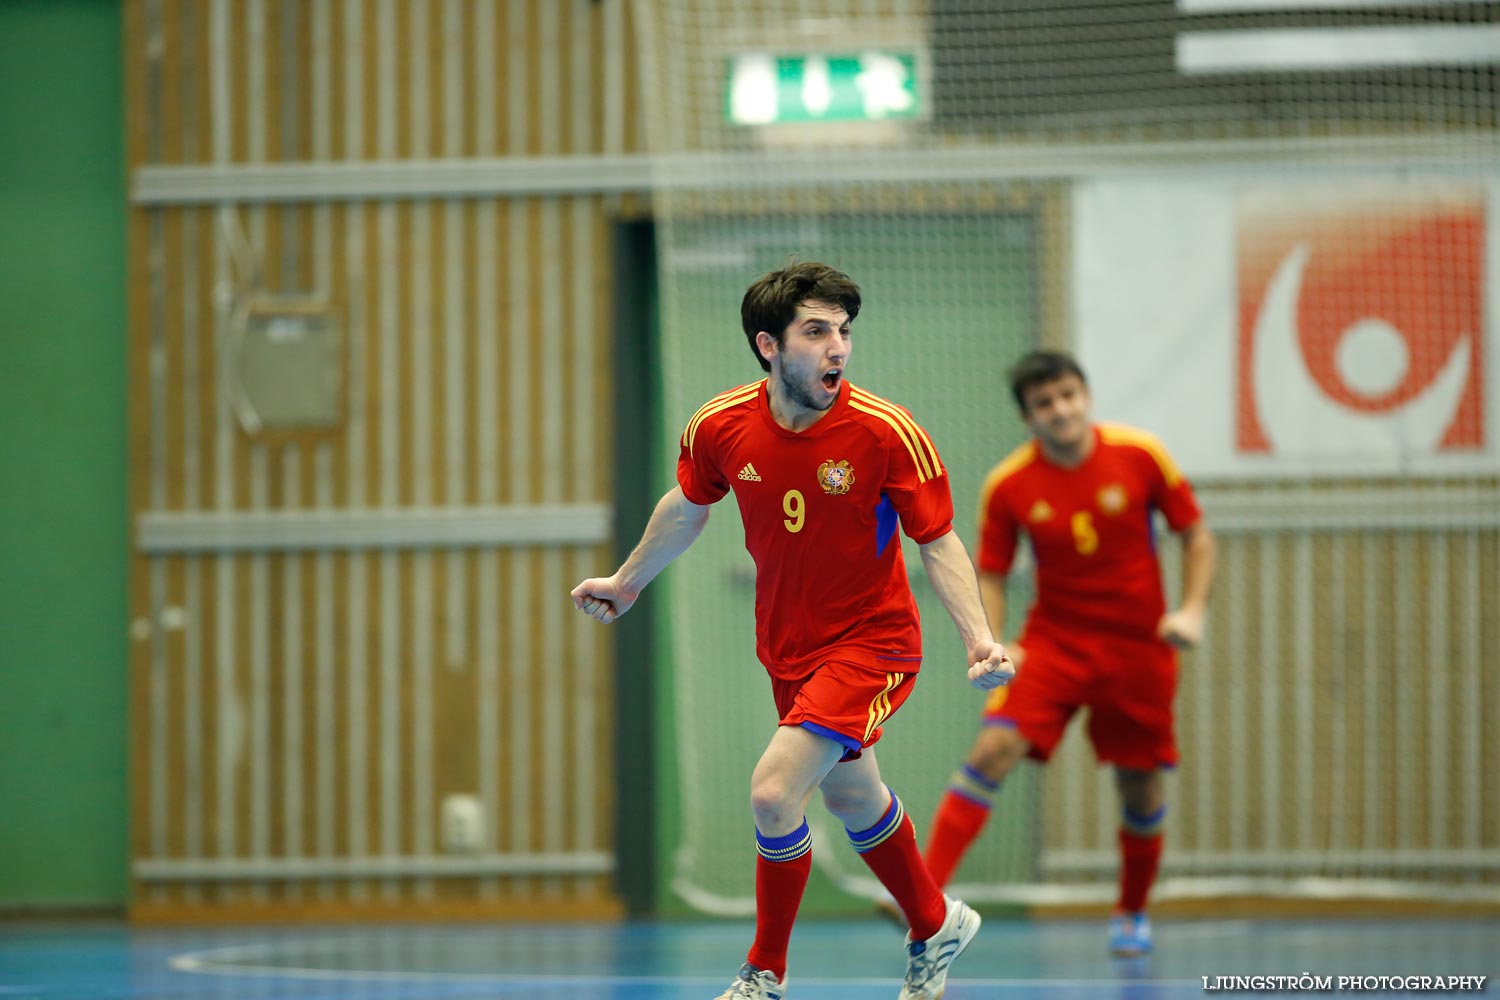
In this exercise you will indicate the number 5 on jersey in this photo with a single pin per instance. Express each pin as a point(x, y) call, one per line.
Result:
point(1085, 537)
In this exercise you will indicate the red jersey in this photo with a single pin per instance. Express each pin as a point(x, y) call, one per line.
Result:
point(820, 509)
point(1090, 528)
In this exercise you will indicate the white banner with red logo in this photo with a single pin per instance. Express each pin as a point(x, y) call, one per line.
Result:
point(1301, 328)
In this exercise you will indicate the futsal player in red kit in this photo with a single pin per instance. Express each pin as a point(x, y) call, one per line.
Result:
point(1099, 635)
point(824, 474)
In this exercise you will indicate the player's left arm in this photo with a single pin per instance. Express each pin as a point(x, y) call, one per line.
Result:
point(952, 575)
point(917, 485)
point(1183, 627)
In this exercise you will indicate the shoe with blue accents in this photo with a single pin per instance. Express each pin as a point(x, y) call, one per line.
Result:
point(1129, 935)
point(927, 961)
point(755, 984)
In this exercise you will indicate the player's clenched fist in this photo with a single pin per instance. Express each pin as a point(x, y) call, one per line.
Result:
point(992, 668)
point(1182, 628)
point(602, 599)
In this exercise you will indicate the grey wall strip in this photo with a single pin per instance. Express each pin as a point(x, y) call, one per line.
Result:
point(615, 173)
point(390, 178)
point(385, 528)
point(1366, 508)
point(372, 867)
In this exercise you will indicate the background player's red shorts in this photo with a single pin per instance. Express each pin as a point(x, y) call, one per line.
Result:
point(1127, 684)
point(846, 700)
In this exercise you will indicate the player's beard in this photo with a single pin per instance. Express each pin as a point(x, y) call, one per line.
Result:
point(799, 393)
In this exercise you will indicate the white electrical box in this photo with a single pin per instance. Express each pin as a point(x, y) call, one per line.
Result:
point(462, 824)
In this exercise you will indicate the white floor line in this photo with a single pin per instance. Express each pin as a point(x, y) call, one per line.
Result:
point(190, 963)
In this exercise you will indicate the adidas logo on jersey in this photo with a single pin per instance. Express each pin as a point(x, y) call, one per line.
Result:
point(749, 474)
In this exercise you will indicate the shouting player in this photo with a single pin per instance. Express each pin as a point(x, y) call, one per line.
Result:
point(823, 472)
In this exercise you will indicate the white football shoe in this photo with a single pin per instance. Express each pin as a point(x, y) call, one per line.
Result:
point(755, 984)
point(927, 961)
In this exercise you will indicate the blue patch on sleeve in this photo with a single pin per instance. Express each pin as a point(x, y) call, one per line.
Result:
point(885, 524)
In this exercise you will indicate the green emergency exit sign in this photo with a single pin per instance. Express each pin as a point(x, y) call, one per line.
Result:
point(872, 86)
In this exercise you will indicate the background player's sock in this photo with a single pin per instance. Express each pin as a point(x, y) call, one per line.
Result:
point(1140, 856)
point(959, 818)
point(890, 849)
point(781, 872)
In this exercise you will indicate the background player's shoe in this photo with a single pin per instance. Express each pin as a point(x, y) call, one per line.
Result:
point(886, 906)
point(755, 984)
point(927, 961)
point(1129, 935)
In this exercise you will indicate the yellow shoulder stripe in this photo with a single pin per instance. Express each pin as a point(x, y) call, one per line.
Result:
point(723, 401)
point(916, 438)
point(1005, 468)
point(924, 470)
point(918, 433)
point(1147, 442)
point(736, 391)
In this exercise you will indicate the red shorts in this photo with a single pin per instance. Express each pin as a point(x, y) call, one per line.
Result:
point(847, 700)
point(1126, 683)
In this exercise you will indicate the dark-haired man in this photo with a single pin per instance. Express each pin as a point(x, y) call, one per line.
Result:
point(1099, 635)
point(823, 473)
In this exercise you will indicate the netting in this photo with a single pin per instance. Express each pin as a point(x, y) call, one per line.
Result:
point(1267, 230)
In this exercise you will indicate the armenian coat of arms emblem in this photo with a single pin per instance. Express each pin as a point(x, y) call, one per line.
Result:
point(835, 477)
point(1113, 499)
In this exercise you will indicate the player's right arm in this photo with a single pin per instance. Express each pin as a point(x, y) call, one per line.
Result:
point(679, 516)
point(675, 524)
point(999, 534)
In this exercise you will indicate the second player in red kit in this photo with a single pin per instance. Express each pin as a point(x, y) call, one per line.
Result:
point(1099, 636)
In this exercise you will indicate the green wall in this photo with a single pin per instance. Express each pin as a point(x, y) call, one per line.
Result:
point(63, 521)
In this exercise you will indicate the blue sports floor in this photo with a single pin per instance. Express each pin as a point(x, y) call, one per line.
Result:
point(847, 960)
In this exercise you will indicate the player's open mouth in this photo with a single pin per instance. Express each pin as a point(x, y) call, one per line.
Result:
point(831, 379)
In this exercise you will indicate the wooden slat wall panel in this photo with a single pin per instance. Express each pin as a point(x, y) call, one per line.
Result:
point(320, 705)
point(1339, 719)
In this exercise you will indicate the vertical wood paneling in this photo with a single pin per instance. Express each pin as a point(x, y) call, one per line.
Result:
point(354, 107)
point(1395, 747)
point(228, 715)
point(425, 464)
point(323, 649)
point(320, 705)
point(487, 294)
point(582, 240)
point(1268, 667)
point(550, 466)
point(1469, 751)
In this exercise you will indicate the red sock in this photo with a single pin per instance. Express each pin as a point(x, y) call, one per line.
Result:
point(778, 893)
point(896, 861)
point(956, 823)
point(1140, 857)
